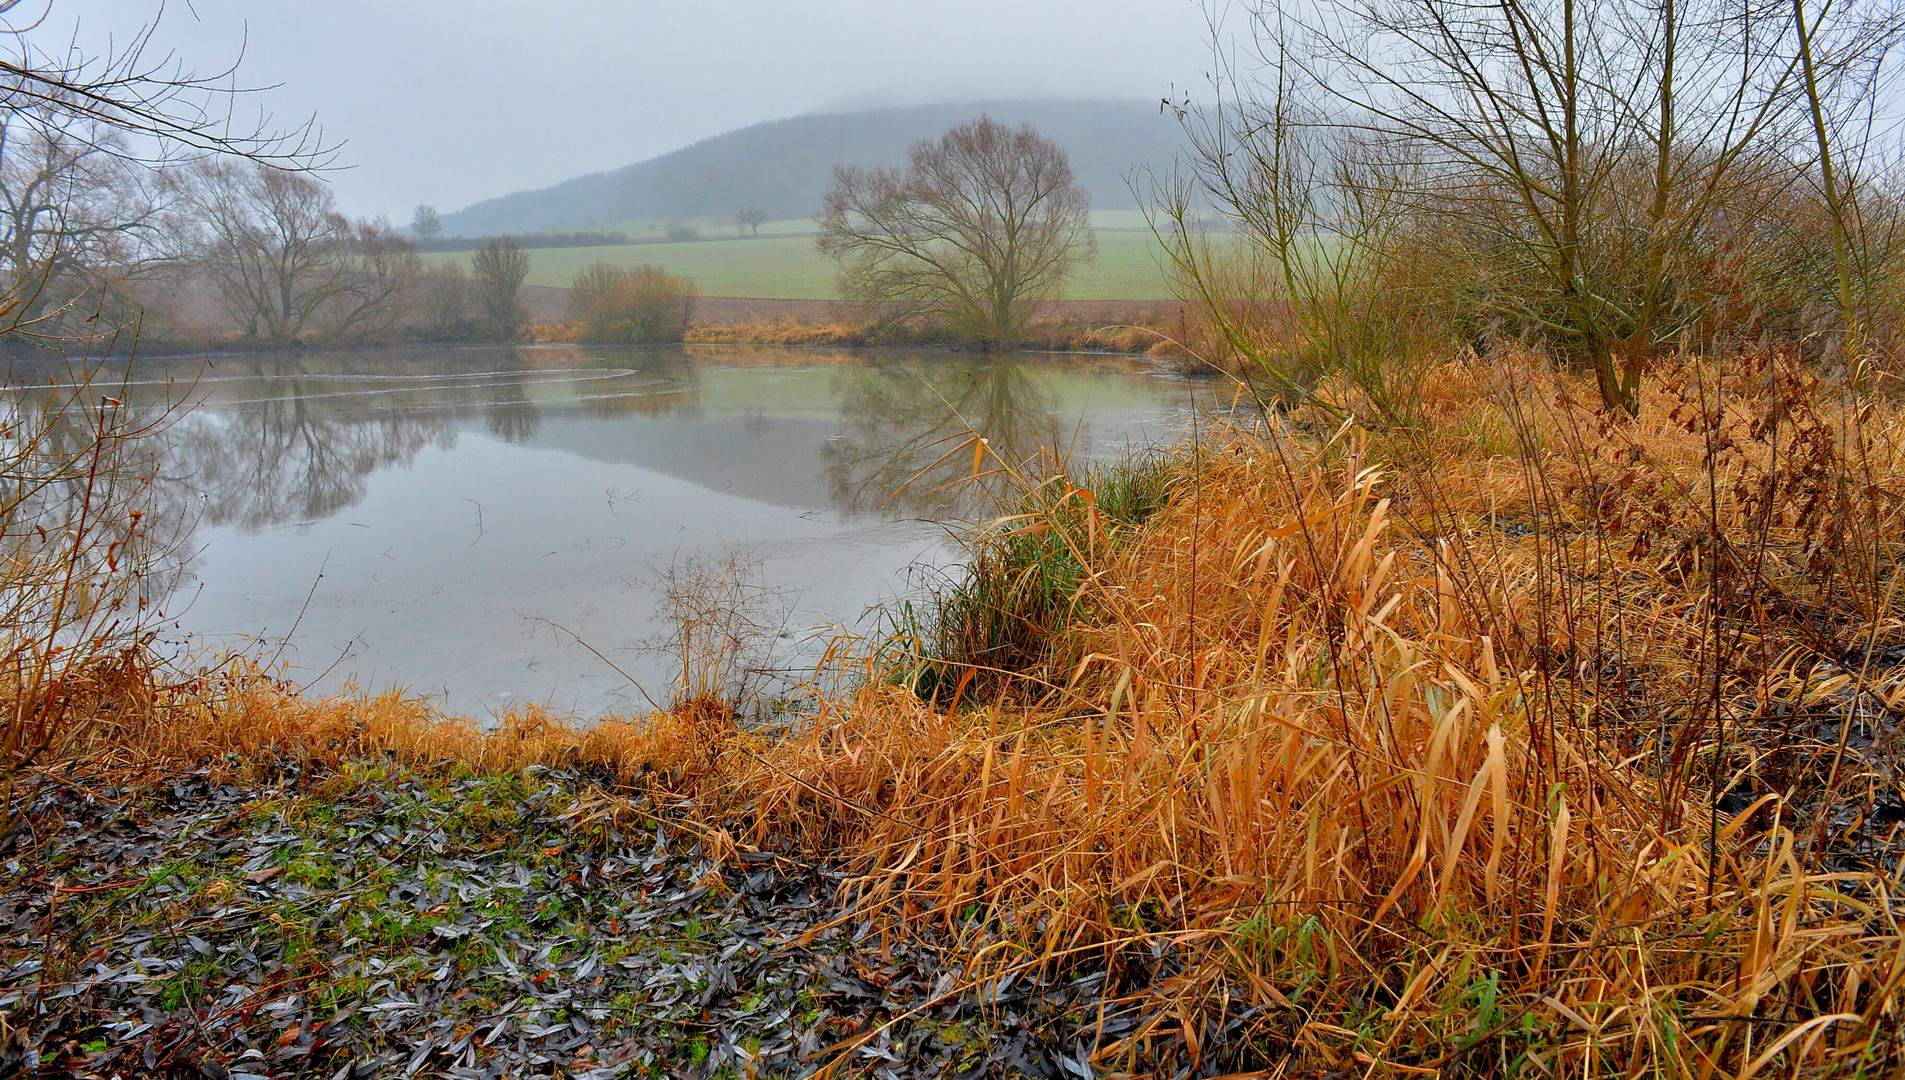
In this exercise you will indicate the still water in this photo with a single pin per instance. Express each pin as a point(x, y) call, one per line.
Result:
point(425, 519)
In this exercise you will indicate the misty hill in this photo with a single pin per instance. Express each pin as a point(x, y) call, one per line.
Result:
point(783, 166)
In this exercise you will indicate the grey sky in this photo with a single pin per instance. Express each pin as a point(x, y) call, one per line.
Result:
point(450, 101)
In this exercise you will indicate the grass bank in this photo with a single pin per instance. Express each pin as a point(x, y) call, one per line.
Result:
point(1147, 330)
point(1519, 739)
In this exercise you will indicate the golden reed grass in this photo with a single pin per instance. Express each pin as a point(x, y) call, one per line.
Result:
point(1361, 744)
point(1409, 738)
point(782, 332)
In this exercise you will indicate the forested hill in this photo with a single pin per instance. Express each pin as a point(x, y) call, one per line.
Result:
point(782, 166)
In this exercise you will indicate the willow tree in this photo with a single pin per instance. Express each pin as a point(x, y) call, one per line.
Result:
point(87, 142)
point(980, 228)
point(1610, 177)
point(286, 263)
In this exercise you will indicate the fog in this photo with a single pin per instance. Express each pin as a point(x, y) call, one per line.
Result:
point(450, 102)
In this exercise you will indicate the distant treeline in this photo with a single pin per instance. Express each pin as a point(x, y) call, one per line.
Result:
point(583, 238)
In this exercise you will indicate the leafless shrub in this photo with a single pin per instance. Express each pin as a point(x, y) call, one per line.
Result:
point(500, 269)
point(80, 573)
point(724, 626)
point(446, 303)
point(612, 303)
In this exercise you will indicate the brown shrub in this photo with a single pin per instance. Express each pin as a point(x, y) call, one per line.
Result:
point(610, 303)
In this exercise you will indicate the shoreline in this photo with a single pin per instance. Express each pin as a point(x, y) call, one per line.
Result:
point(793, 337)
point(1112, 327)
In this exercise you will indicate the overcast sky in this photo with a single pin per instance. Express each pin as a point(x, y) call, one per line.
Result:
point(450, 101)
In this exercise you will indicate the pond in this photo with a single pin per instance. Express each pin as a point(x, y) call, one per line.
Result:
point(492, 526)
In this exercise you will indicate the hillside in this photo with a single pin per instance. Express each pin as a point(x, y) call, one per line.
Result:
point(782, 166)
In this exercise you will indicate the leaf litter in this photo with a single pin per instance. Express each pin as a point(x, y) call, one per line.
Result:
point(378, 921)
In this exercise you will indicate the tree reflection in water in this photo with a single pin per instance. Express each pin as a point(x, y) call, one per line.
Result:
point(294, 439)
point(904, 426)
point(511, 416)
point(647, 383)
point(629, 458)
point(301, 447)
point(53, 443)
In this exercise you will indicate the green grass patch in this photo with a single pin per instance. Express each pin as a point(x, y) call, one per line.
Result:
point(1006, 614)
point(791, 268)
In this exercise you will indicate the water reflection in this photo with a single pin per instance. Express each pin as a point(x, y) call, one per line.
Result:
point(512, 417)
point(445, 494)
point(299, 449)
point(653, 384)
point(278, 438)
point(78, 468)
point(905, 428)
point(284, 438)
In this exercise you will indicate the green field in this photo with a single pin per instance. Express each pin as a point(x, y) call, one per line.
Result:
point(711, 228)
point(720, 228)
point(788, 267)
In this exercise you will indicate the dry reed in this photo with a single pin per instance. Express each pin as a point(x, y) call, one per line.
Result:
point(1414, 741)
point(1403, 744)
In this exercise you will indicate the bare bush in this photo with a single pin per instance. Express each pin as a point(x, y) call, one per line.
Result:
point(501, 267)
point(79, 562)
point(446, 305)
point(645, 303)
point(724, 624)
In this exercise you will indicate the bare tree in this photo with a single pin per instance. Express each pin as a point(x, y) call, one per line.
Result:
point(271, 241)
point(85, 142)
point(426, 223)
point(501, 267)
point(1589, 172)
point(72, 208)
point(378, 283)
point(980, 229)
point(287, 264)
